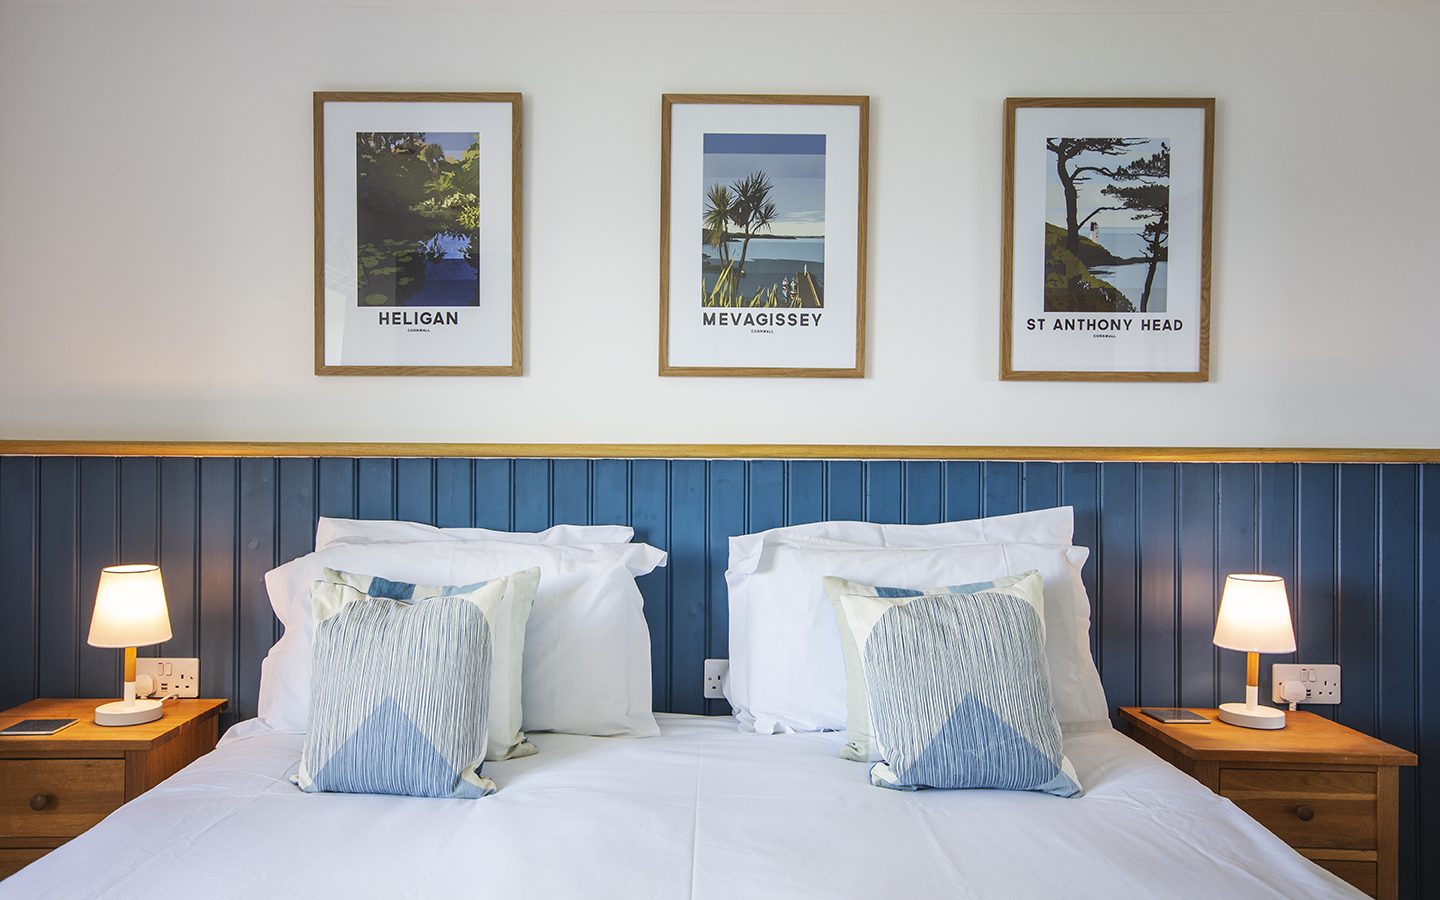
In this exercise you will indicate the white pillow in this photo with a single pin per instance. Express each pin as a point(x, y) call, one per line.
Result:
point(587, 647)
point(796, 666)
point(1042, 526)
point(330, 530)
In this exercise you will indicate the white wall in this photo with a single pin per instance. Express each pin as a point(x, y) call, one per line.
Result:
point(156, 243)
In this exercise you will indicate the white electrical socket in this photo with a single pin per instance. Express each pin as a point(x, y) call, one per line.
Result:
point(178, 676)
point(1322, 682)
point(715, 671)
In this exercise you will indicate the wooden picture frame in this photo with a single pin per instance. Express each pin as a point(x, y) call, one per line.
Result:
point(1129, 301)
point(789, 174)
point(417, 233)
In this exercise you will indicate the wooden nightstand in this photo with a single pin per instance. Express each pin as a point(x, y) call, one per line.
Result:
point(54, 787)
point(1328, 791)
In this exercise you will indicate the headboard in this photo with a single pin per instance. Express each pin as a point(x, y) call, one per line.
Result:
point(1358, 544)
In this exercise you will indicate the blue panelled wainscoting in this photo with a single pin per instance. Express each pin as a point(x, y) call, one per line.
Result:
point(1358, 545)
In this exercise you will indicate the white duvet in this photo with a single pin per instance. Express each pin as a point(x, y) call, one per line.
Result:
point(700, 812)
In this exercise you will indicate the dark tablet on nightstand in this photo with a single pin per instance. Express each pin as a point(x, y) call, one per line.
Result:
point(1175, 716)
point(39, 726)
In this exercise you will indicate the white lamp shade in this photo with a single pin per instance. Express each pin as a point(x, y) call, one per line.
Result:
point(1255, 615)
point(130, 608)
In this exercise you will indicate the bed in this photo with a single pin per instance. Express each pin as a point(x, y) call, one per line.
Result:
point(967, 666)
point(701, 811)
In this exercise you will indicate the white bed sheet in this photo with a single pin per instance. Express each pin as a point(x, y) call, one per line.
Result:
point(700, 812)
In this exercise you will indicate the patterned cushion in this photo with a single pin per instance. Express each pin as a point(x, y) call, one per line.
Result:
point(507, 624)
point(859, 731)
point(959, 690)
point(421, 735)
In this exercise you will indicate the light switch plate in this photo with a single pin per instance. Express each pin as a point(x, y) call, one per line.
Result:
point(715, 671)
point(173, 675)
point(1322, 682)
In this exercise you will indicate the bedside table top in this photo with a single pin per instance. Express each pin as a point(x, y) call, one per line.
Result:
point(177, 714)
point(1306, 738)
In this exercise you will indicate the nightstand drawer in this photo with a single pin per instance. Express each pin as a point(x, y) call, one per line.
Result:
point(12, 861)
point(71, 795)
point(1363, 875)
point(1307, 808)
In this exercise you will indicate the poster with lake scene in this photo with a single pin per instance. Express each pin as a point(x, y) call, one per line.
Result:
point(1106, 239)
point(762, 232)
point(417, 198)
point(417, 221)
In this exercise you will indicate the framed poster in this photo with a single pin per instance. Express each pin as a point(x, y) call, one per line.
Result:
point(762, 235)
point(417, 234)
point(1106, 239)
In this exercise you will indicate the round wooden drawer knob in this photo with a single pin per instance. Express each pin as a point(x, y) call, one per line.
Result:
point(39, 802)
point(1304, 813)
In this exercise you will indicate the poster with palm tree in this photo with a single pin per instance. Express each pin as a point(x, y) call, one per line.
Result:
point(776, 184)
point(417, 233)
point(1106, 239)
point(763, 231)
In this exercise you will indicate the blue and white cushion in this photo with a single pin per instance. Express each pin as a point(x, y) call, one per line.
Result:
point(507, 633)
point(421, 735)
point(959, 690)
point(860, 733)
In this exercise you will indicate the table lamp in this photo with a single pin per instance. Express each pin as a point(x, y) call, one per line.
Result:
point(1255, 618)
point(130, 612)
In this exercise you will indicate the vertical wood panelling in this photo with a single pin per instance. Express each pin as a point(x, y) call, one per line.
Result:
point(494, 493)
point(1080, 489)
point(1117, 616)
point(1358, 594)
point(884, 491)
point(1276, 550)
point(650, 517)
point(1359, 546)
point(216, 613)
point(99, 667)
point(804, 492)
point(1002, 488)
point(295, 515)
point(1315, 588)
point(726, 501)
point(570, 491)
point(1427, 678)
point(59, 633)
point(1235, 551)
point(138, 500)
point(1158, 609)
point(962, 490)
point(610, 492)
point(531, 494)
point(337, 487)
point(1198, 584)
point(764, 497)
point(844, 490)
point(19, 620)
point(1399, 624)
point(1040, 484)
point(415, 490)
point(688, 581)
point(257, 520)
point(375, 488)
point(295, 528)
point(179, 552)
point(924, 499)
point(454, 493)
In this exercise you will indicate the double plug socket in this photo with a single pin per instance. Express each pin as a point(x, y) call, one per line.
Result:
point(1321, 682)
point(169, 675)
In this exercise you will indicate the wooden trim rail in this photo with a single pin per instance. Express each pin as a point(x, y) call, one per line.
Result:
point(20, 447)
